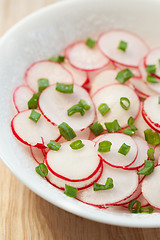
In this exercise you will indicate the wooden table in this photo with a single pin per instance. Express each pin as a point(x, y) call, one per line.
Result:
point(24, 215)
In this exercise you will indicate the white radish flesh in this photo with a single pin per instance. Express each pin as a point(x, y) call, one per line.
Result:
point(114, 158)
point(153, 59)
point(125, 183)
point(142, 88)
point(111, 96)
point(85, 58)
point(135, 71)
point(50, 70)
point(21, 96)
point(33, 134)
point(57, 112)
point(156, 155)
point(37, 154)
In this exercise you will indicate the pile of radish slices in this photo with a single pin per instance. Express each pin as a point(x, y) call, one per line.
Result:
point(91, 119)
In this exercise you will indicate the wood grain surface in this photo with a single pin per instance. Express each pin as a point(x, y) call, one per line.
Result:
point(24, 215)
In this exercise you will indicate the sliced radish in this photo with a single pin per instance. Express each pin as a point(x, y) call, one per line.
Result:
point(50, 70)
point(125, 183)
point(37, 154)
point(102, 79)
point(114, 158)
point(150, 124)
point(142, 200)
point(136, 48)
point(135, 71)
point(111, 96)
point(57, 112)
point(154, 87)
point(80, 77)
point(151, 186)
point(142, 153)
point(152, 58)
point(21, 96)
point(33, 134)
point(156, 155)
point(85, 134)
point(85, 58)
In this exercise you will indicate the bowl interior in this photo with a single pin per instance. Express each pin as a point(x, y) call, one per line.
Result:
point(46, 33)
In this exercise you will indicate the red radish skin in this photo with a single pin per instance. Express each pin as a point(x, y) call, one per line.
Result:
point(50, 70)
point(85, 58)
point(152, 59)
point(37, 154)
point(21, 96)
point(135, 51)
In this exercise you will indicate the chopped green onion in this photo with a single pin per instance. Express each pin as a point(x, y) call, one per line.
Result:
point(42, 170)
point(34, 116)
point(122, 45)
point(103, 109)
point(66, 131)
point(96, 128)
point(82, 103)
point(70, 191)
point(146, 209)
point(142, 99)
point(147, 169)
point(134, 206)
point(124, 106)
point(42, 84)
point(74, 109)
point(151, 137)
point(150, 154)
point(90, 43)
point(104, 146)
point(129, 131)
point(108, 185)
point(64, 88)
point(124, 149)
point(78, 144)
point(151, 79)
point(53, 145)
point(124, 75)
point(112, 126)
point(130, 124)
point(58, 59)
point(33, 102)
point(158, 100)
point(151, 68)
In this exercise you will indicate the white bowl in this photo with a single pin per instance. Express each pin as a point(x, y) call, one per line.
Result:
point(46, 33)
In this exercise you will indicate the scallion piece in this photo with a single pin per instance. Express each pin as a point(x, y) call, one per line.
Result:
point(42, 84)
point(103, 109)
point(64, 88)
point(147, 209)
point(147, 169)
point(151, 137)
point(70, 191)
point(66, 131)
point(130, 124)
point(151, 79)
point(34, 116)
point(42, 170)
point(159, 100)
point(124, 149)
point(58, 59)
point(150, 154)
point(82, 103)
point(53, 145)
point(129, 131)
point(122, 45)
point(96, 128)
point(90, 43)
point(151, 68)
point(134, 206)
point(124, 75)
point(33, 102)
point(75, 109)
point(78, 144)
point(104, 146)
point(142, 99)
point(112, 126)
point(123, 105)
point(108, 185)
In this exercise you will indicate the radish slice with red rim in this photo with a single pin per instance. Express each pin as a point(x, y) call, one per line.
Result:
point(50, 70)
point(33, 134)
point(85, 58)
point(57, 113)
point(111, 96)
point(125, 183)
point(37, 154)
point(21, 96)
point(136, 48)
point(152, 58)
point(114, 158)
